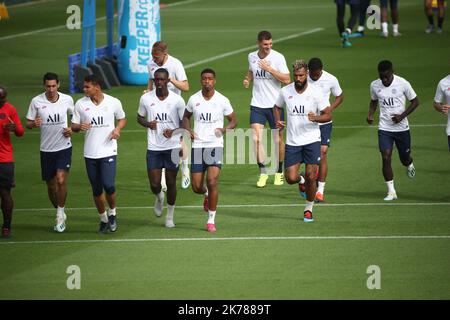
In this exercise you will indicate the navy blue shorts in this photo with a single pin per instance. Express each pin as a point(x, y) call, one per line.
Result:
point(202, 158)
point(263, 115)
point(402, 140)
point(308, 154)
point(168, 159)
point(384, 3)
point(102, 174)
point(54, 161)
point(7, 175)
point(325, 133)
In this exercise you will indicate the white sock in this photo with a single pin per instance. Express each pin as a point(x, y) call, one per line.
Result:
point(112, 212)
point(390, 185)
point(60, 211)
point(170, 210)
point(360, 28)
point(348, 30)
point(302, 180)
point(321, 187)
point(103, 217)
point(184, 164)
point(309, 205)
point(384, 27)
point(411, 166)
point(211, 216)
point(395, 28)
point(161, 197)
point(206, 193)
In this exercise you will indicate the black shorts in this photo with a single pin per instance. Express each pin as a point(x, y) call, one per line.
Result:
point(7, 175)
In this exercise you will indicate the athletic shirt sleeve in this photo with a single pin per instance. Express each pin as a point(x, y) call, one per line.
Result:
point(439, 96)
point(180, 107)
point(180, 73)
point(119, 113)
point(280, 100)
point(15, 118)
point(322, 103)
point(409, 91)
point(336, 88)
point(32, 112)
point(189, 106)
point(282, 66)
point(76, 118)
point(70, 106)
point(227, 108)
point(373, 94)
point(142, 110)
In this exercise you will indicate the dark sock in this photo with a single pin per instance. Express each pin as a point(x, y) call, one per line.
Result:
point(280, 167)
point(430, 20)
point(262, 168)
point(7, 223)
point(440, 22)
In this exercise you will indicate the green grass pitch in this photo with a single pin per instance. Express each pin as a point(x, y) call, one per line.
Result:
point(262, 249)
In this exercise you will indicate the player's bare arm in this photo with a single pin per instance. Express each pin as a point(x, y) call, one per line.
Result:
point(115, 134)
point(187, 123)
point(282, 77)
point(33, 123)
point(182, 85)
point(277, 115)
point(372, 108)
point(324, 116)
point(443, 108)
point(399, 117)
point(248, 77)
point(337, 101)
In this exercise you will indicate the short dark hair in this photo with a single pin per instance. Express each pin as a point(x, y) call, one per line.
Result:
point(92, 78)
point(384, 65)
point(315, 64)
point(162, 70)
point(50, 76)
point(264, 35)
point(208, 70)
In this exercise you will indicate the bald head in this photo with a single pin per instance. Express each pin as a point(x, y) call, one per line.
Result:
point(3, 95)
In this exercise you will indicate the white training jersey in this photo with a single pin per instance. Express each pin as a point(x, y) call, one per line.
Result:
point(54, 120)
point(327, 84)
point(443, 95)
point(97, 143)
point(300, 130)
point(392, 101)
point(266, 87)
point(208, 116)
point(175, 69)
point(167, 113)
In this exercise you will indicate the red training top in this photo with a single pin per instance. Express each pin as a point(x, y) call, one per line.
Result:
point(7, 114)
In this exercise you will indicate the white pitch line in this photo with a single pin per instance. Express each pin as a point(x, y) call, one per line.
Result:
point(175, 4)
point(280, 205)
point(231, 53)
point(30, 33)
point(392, 237)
